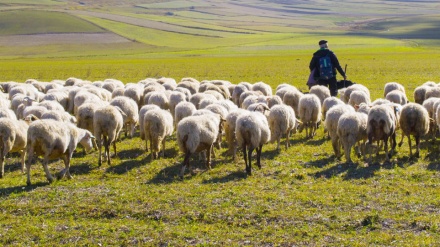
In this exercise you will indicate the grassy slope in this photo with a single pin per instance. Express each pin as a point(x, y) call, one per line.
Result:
point(302, 196)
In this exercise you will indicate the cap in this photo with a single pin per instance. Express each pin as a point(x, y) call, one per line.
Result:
point(321, 42)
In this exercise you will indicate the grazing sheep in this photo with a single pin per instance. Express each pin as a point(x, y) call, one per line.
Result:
point(352, 128)
point(262, 87)
point(85, 113)
point(59, 116)
point(61, 97)
point(158, 124)
point(414, 120)
point(189, 83)
point(12, 139)
point(134, 92)
point(175, 98)
point(355, 87)
point(331, 124)
point(183, 110)
point(321, 91)
point(432, 92)
point(247, 94)
point(231, 119)
point(381, 126)
point(107, 124)
point(419, 94)
point(130, 108)
point(390, 86)
point(252, 132)
point(160, 99)
point(185, 91)
point(52, 140)
point(111, 84)
point(7, 113)
point(196, 134)
point(309, 113)
point(198, 97)
point(282, 121)
point(238, 90)
point(144, 109)
point(397, 96)
point(329, 103)
point(358, 97)
point(273, 100)
point(291, 98)
point(82, 97)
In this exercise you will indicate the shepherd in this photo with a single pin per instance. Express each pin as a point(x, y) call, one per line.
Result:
point(323, 65)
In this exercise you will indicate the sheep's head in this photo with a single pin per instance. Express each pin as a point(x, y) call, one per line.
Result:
point(88, 141)
point(300, 126)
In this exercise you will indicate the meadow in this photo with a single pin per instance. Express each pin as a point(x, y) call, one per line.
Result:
point(302, 196)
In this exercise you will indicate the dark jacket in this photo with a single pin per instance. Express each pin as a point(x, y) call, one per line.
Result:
point(314, 63)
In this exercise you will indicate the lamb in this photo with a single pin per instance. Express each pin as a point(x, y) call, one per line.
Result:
point(158, 124)
point(262, 87)
point(196, 134)
point(252, 132)
point(352, 128)
point(321, 91)
point(331, 124)
point(397, 96)
point(12, 139)
point(390, 86)
point(282, 121)
point(53, 140)
point(130, 108)
point(414, 120)
point(183, 109)
point(107, 124)
point(381, 126)
point(231, 119)
point(309, 113)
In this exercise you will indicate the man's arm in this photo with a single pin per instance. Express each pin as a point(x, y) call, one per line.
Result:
point(336, 64)
point(312, 63)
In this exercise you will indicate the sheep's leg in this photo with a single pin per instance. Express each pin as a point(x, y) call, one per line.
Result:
point(335, 145)
point(234, 150)
point(114, 149)
point(185, 164)
point(385, 147)
point(409, 143)
point(23, 156)
point(287, 139)
point(46, 169)
point(99, 142)
point(249, 168)
point(347, 151)
point(66, 168)
point(278, 143)
point(2, 164)
point(146, 144)
point(259, 156)
point(208, 159)
point(417, 137)
point(163, 148)
point(212, 152)
point(152, 151)
point(401, 140)
point(30, 152)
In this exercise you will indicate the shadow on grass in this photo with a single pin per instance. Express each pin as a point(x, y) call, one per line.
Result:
point(433, 159)
point(81, 169)
point(235, 176)
point(321, 162)
point(16, 166)
point(19, 189)
point(167, 175)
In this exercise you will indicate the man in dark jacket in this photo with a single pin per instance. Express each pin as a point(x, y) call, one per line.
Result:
point(314, 64)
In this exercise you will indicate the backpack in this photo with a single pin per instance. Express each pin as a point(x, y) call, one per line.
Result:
point(325, 67)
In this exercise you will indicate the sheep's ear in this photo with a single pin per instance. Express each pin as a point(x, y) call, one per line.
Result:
point(299, 121)
point(31, 118)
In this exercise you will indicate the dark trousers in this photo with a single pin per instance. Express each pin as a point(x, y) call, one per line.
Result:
point(331, 84)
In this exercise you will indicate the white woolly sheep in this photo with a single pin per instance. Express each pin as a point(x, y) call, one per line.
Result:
point(282, 121)
point(107, 124)
point(84, 96)
point(160, 99)
point(246, 94)
point(158, 124)
point(184, 91)
point(397, 96)
point(331, 124)
point(52, 140)
point(196, 134)
point(59, 116)
point(12, 139)
point(309, 109)
point(7, 113)
point(329, 103)
point(291, 98)
point(175, 98)
point(252, 132)
point(414, 120)
point(273, 100)
point(144, 109)
point(130, 108)
point(381, 126)
point(358, 97)
point(432, 92)
point(419, 94)
point(189, 83)
point(112, 84)
point(238, 90)
point(355, 87)
point(183, 110)
point(135, 92)
point(321, 91)
point(198, 97)
point(264, 88)
point(390, 86)
point(229, 126)
point(352, 128)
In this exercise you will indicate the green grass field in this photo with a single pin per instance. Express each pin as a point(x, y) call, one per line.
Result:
point(302, 196)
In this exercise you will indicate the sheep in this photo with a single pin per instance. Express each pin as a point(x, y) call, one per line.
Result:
point(61, 97)
point(281, 121)
point(252, 132)
point(59, 116)
point(216, 94)
point(309, 109)
point(265, 89)
point(331, 124)
point(144, 109)
point(7, 113)
point(198, 97)
point(130, 108)
point(291, 98)
point(206, 102)
point(419, 94)
point(321, 91)
point(397, 96)
point(355, 87)
point(85, 113)
point(189, 83)
point(414, 120)
point(227, 104)
point(158, 124)
point(12, 139)
point(282, 89)
point(381, 126)
point(107, 124)
point(274, 100)
point(329, 103)
point(5, 103)
point(432, 92)
point(83, 96)
point(175, 98)
point(352, 128)
point(185, 91)
point(53, 140)
point(196, 134)
point(183, 109)
point(135, 92)
point(260, 107)
point(357, 97)
point(390, 86)
point(238, 90)
point(36, 110)
point(246, 94)
point(229, 126)
point(160, 99)
point(111, 84)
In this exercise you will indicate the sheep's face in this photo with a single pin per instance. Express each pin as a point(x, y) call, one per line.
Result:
point(301, 127)
point(88, 142)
